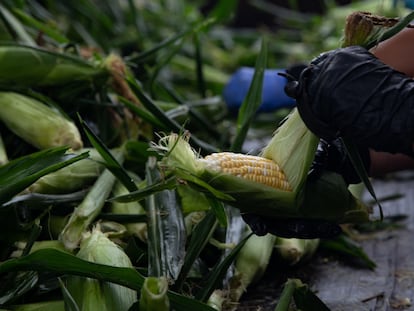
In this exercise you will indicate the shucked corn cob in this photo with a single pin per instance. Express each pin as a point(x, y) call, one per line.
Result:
point(253, 189)
point(254, 168)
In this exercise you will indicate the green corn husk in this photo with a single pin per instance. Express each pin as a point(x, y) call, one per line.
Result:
point(39, 306)
point(3, 153)
point(217, 299)
point(51, 68)
point(37, 123)
point(294, 251)
point(250, 264)
point(292, 147)
point(192, 219)
point(154, 295)
point(92, 294)
point(87, 211)
point(71, 178)
point(132, 208)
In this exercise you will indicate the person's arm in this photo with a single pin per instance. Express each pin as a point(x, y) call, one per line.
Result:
point(398, 51)
point(383, 163)
point(352, 94)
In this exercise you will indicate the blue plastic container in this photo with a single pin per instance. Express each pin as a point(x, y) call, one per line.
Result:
point(273, 94)
point(409, 4)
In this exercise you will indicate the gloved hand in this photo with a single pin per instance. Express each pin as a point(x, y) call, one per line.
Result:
point(350, 93)
point(329, 156)
point(332, 156)
point(291, 228)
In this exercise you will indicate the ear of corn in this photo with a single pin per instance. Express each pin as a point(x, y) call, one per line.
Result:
point(180, 156)
point(72, 177)
point(273, 185)
point(52, 68)
point(250, 264)
point(87, 211)
point(92, 294)
point(295, 251)
point(37, 123)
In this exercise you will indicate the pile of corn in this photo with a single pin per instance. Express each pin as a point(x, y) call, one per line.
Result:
point(117, 239)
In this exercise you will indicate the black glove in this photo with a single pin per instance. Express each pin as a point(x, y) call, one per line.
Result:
point(332, 156)
point(350, 93)
point(329, 156)
point(292, 228)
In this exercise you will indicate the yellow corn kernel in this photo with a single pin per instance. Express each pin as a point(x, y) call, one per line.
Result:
point(253, 168)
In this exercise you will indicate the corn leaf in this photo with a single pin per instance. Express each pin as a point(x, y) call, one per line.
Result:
point(218, 272)
point(63, 263)
point(18, 174)
point(199, 238)
point(172, 40)
point(162, 117)
point(160, 185)
point(143, 114)
point(202, 121)
point(15, 284)
point(43, 200)
point(347, 248)
point(361, 171)
point(32, 22)
point(15, 26)
point(111, 162)
point(252, 100)
point(202, 184)
point(218, 208)
point(306, 300)
point(201, 83)
point(223, 10)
